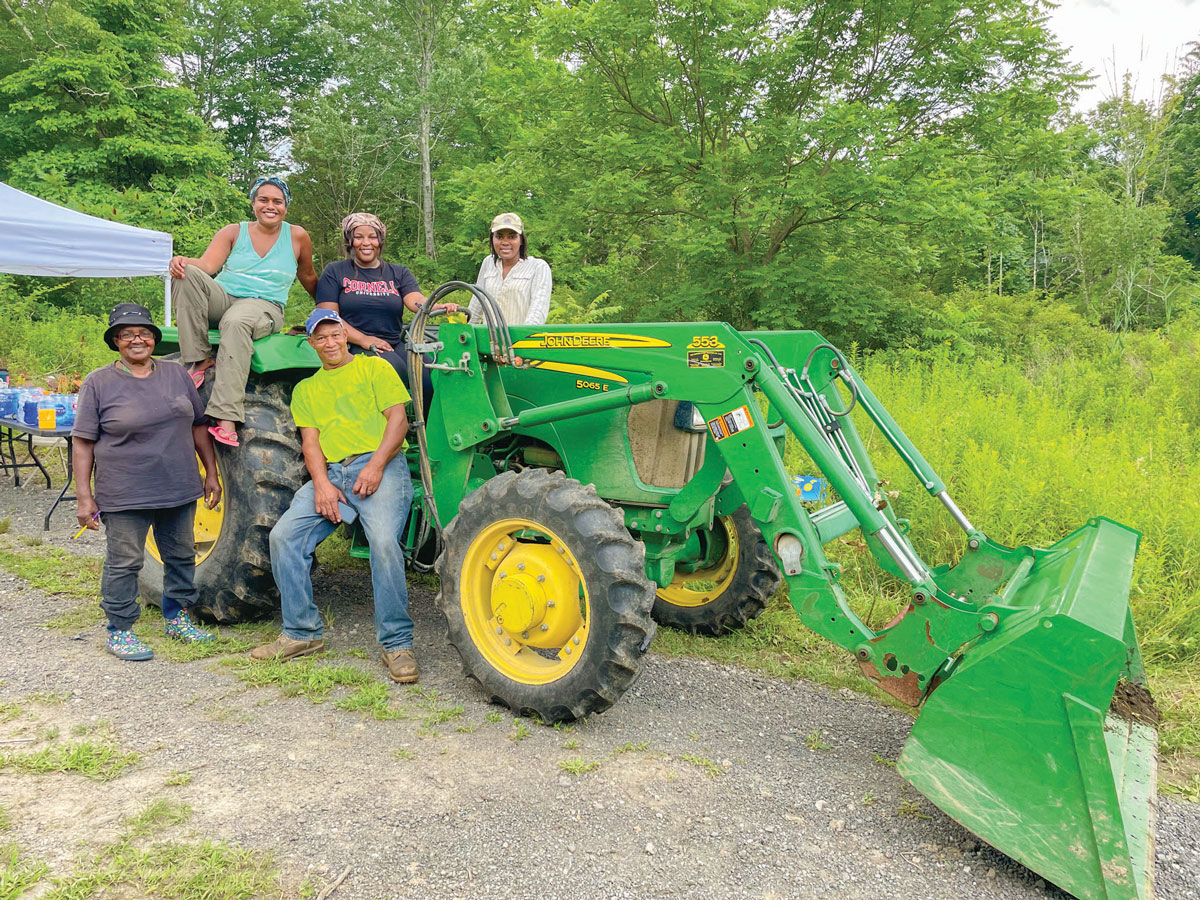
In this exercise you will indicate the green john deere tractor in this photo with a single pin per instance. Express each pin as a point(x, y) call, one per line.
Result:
point(576, 485)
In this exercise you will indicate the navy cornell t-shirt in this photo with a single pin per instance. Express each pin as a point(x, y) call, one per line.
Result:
point(144, 454)
point(371, 300)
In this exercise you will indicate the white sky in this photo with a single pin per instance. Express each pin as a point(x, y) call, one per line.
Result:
point(1145, 36)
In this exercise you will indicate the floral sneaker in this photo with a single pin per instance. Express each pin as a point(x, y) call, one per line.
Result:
point(182, 628)
point(127, 645)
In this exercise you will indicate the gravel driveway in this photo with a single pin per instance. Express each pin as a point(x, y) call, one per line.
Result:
point(712, 782)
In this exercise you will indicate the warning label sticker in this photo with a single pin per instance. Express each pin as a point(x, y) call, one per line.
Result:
point(730, 423)
point(706, 359)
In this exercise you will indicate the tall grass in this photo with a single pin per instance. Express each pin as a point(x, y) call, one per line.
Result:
point(1032, 449)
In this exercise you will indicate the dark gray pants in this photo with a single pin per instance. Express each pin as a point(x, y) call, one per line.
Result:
point(125, 533)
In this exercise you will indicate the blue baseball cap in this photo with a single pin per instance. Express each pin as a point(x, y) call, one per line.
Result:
point(318, 316)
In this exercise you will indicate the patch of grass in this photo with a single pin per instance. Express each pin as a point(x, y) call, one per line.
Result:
point(494, 717)
point(578, 765)
point(5, 524)
point(169, 870)
point(179, 779)
point(307, 676)
point(776, 643)
point(706, 765)
point(520, 731)
point(1177, 694)
point(402, 753)
point(218, 711)
point(868, 799)
point(101, 762)
point(911, 809)
point(883, 761)
point(440, 715)
point(427, 580)
point(30, 540)
point(570, 744)
point(373, 698)
point(49, 698)
point(150, 629)
point(159, 813)
point(1185, 789)
point(18, 875)
point(9, 711)
point(77, 618)
point(54, 571)
point(631, 748)
point(357, 653)
point(5, 820)
point(334, 553)
point(49, 734)
point(813, 742)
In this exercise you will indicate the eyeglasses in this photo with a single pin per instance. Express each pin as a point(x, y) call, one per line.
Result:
point(129, 337)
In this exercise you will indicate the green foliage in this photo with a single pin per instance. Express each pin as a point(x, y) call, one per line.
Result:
point(168, 869)
point(250, 66)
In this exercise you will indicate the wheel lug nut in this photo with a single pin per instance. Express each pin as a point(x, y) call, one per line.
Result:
point(508, 642)
point(568, 649)
point(545, 627)
point(525, 635)
point(503, 574)
point(494, 557)
point(499, 630)
point(541, 578)
point(549, 604)
point(521, 566)
point(575, 641)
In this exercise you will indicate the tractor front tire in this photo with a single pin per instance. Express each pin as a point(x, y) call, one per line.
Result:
point(725, 596)
point(259, 478)
point(545, 595)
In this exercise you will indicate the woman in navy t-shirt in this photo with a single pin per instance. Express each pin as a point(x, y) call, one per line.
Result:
point(371, 295)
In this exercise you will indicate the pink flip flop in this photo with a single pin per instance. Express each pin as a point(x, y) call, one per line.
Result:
point(228, 438)
point(198, 376)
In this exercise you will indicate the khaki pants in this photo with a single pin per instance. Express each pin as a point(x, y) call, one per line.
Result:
point(202, 303)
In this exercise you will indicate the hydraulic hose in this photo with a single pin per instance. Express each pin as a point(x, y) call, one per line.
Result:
point(500, 341)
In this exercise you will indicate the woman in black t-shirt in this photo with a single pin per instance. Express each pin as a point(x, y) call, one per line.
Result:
point(371, 295)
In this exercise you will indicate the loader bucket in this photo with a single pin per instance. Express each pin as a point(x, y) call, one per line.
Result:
point(1040, 739)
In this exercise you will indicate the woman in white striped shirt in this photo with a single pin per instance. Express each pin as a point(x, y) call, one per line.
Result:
point(520, 283)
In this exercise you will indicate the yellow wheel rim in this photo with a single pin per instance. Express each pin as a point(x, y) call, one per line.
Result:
point(524, 601)
point(206, 528)
point(705, 585)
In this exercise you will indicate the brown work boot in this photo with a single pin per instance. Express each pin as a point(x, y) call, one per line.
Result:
point(401, 666)
point(284, 648)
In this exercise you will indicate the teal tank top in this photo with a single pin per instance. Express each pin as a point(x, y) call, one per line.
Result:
point(246, 274)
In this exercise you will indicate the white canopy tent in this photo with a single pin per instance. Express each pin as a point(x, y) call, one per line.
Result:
point(41, 238)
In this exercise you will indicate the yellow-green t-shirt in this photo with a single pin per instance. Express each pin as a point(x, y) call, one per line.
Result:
point(346, 404)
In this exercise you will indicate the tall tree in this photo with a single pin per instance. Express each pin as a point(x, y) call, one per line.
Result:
point(781, 150)
point(85, 94)
point(252, 65)
point(403, 92)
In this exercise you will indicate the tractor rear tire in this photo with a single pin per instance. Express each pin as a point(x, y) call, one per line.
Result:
point(742, 582)
point(545, 595)
point(259, 478)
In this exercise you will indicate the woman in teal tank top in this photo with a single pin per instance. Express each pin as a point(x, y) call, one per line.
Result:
point(239, 286)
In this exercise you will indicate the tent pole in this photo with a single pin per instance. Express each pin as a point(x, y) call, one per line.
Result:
point(167, 300)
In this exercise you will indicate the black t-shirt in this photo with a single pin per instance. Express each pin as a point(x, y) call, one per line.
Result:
point(371, 300)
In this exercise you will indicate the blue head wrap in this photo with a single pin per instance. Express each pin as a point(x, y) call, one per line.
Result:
point(277, 182)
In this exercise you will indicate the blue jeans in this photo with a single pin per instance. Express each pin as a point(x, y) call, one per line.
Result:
point(125, 535)
point(383, 514)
